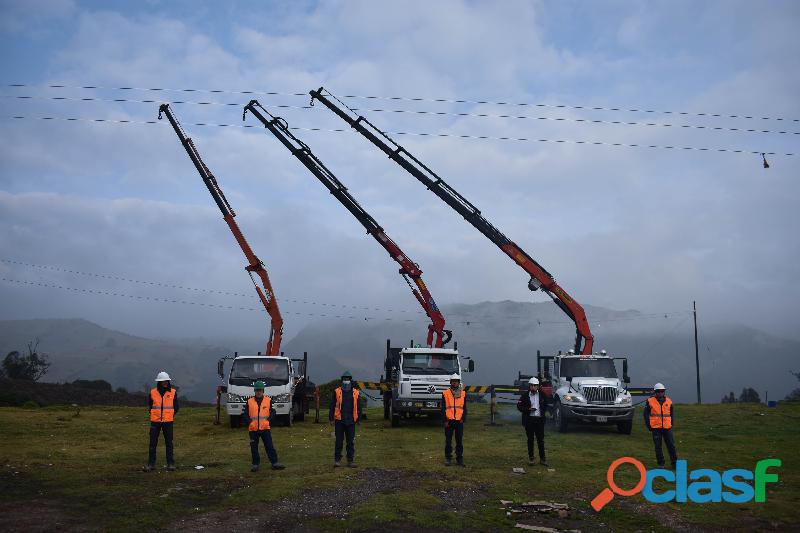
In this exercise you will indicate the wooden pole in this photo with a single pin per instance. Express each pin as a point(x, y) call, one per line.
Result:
point(696, 351)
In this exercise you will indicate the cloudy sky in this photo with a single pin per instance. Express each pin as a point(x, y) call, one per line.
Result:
point(118, 207)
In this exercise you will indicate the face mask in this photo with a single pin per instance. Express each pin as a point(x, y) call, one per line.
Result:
point(346, 384)
point(453, 387)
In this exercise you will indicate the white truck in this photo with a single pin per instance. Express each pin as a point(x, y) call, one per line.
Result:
point(587, 389)
point(415, 379)
point(285, 381)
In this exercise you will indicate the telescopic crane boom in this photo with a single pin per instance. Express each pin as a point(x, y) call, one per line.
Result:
point(540, 278)
point(255, 265)
point(408, 269)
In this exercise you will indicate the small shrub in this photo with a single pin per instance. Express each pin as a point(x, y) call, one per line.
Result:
point(30, 404)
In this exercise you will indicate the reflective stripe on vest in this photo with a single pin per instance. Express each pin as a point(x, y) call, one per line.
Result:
point(337, 412)
point(660, 414)
point(163, 409)
point(453, 407)
point(259, 415)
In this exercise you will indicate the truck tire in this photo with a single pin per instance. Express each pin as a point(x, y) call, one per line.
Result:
point(625, 427)
point(559, 419)
point(235, 421)
point(394, 416)
point(300, 414)
point(387, 400)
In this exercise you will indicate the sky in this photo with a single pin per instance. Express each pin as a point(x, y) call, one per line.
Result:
point(110, 222)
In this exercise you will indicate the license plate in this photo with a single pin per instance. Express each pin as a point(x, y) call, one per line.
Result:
point(602, 419)
point(430, 404)
point(418, 404)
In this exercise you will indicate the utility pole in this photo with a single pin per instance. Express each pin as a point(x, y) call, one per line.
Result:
point(696, 351)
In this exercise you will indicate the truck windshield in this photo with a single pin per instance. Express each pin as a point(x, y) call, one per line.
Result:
point(430, 363)
point(600, 368)
point(269, 370)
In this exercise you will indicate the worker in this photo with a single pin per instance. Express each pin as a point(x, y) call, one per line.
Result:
point(659, 417)
point(259, 410)
point(163, 405)
point(344, 414)
point(533, 404)
point(454, 414)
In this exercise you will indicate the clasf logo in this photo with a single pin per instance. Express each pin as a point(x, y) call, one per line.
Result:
point(698, 486)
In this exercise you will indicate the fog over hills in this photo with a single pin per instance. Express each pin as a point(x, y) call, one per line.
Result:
point(502, 337)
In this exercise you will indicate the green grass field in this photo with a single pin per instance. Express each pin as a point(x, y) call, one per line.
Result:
point(83, 473)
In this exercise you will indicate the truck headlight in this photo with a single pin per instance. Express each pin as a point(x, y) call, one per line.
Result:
point(575, 397)
point(623, 399)
point(234, 398)
point(281, 398)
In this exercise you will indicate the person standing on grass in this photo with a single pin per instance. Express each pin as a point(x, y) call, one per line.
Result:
point(344, 414)
point(163, 405)
point(454, 414)
point(659, 417)
point(259, 410)
point(533, 404)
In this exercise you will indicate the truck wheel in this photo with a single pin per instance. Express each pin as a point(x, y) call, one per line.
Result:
point(288, 420)
point(625, 427)
point(235, 421)
point(300, 415)
point(387, 401)
point(559, 419)
point(394, 416)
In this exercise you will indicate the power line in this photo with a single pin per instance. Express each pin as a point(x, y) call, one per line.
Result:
point(413, 112)
point(185, 302)
point(181, 287)
point(441, 135)
point(421, 99)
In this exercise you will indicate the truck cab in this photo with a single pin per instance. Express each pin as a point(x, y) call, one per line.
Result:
point(416, 378)
point(587, 389)
point(280, 379)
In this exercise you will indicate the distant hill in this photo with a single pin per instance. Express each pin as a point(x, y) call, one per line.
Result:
point(502, 337)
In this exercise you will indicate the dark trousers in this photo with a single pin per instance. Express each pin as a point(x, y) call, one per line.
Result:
point(534, 428)
point(266, 436)
point(341, 430)
point(155, 429)
point(666, 436)
point(456, 428)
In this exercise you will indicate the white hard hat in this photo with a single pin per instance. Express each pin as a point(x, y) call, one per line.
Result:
point(162, 376)
point(659, 386)
point(456, 377)
point(533, 381)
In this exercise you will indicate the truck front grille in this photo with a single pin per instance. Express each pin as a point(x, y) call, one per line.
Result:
point(600, 394)
point(424, 388)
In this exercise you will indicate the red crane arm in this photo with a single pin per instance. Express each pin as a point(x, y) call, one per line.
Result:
point(255, 265)
point(540, 278)
point(408, 269)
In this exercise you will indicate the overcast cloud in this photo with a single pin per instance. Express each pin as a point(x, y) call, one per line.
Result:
point(623, 228)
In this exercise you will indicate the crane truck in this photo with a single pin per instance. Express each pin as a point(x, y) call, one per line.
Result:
point(605, 398)
point(415, 377)
point(286, 383)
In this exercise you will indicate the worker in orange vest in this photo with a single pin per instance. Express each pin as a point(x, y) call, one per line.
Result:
point(454, 414)
point(163, 405)
point(344, 414)
point(659, 415)
point(259, 411)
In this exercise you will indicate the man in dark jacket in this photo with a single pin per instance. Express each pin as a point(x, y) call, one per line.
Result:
point(659, 416)
point(344, 414)
point(454, 414)
point(163, 406)
point(259, 412)
point(533, 404)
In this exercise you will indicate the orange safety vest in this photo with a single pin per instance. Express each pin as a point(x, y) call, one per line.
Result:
point(163, 409)
point(660, 413)
point(259, 415)
point(453, 407)
point(337, 412)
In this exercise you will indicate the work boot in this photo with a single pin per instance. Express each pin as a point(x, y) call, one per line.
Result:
point(171, 467)
point(543, 462)
point(460, 462)
point(337, 464)
point(254, 468)
point(531, 461)
point(447, 461)
point(148, 468)
point(277, 466)
point(351, 464)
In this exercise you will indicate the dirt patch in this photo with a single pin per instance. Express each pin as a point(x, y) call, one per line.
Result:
point(460, 499)
point(332, 503)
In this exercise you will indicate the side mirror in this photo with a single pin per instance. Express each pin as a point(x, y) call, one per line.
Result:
point(626, 379)
point(220, 368)
point(471, 366)
point(625, 376)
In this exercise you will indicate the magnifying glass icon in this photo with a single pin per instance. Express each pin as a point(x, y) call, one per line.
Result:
point(607, 494)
